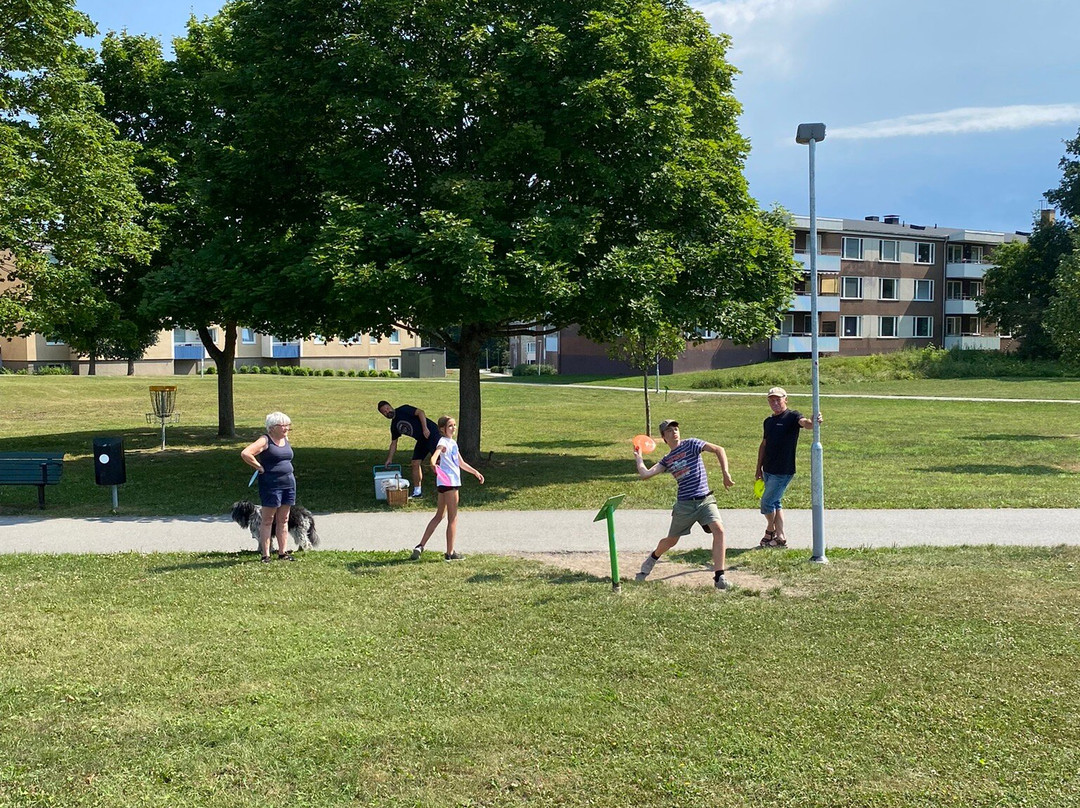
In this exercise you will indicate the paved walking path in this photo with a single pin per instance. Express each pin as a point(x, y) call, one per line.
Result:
point(545, 531)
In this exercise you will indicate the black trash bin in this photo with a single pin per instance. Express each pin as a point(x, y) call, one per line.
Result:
point(109, 461)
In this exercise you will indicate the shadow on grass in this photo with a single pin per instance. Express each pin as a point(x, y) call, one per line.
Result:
point(367, 565)
point(703, 556)
point(1024, 438)
point(209, 561)
point(199, 473)
point(1031, 470)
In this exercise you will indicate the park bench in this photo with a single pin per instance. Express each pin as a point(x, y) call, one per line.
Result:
point(31, 468)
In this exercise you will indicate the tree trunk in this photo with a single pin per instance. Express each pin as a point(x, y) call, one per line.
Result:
point(131, 367)
point(648, 409)
point(469, 396)
point(224, 359)
point(91, 365)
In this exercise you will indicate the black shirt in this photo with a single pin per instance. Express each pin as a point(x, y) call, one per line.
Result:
point(405, 422)
point(781, 433)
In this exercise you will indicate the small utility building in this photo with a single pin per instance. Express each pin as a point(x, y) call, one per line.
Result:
point(423, 363)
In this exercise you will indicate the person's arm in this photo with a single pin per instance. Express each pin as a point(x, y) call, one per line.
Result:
point(643, 472)
point(390, 453)
point(423, 423)
point(721, 455)
point(760, 459)
point(806, 423)
point(471, 470)
point(435, 458)
point(250, 454)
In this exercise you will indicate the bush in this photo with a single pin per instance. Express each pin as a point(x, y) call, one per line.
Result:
point(52, 370)
point(210, 370)
point(534, 370)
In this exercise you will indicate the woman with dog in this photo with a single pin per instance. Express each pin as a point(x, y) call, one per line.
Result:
point(447, 464)
point(271, 456)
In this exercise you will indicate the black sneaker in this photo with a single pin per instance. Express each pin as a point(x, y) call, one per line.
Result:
point(417, 551)
point(453, 557)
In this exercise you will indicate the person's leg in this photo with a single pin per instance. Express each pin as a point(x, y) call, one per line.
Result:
point(440, 509)
point(719, 554)
point(451, 524)
point(266, 527)
point(417, 476)
point(778, 527)
point(281, 530)
point(775, 485)
point(662, 547)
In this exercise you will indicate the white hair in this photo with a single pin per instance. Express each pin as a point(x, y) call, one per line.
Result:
point(277, 419)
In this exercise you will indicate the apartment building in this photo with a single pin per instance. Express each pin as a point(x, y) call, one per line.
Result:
point(883, 285)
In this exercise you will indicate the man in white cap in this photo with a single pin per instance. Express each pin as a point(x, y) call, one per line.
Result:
point(776, 462)
point(694, 502)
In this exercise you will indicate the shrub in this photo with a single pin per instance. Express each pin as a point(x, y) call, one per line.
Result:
point(52, 370)
point(534, 370)
point(352, 374)
point(210, 370)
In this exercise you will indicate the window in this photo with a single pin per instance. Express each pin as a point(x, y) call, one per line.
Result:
point(395, 363)
point(54, 341)
point(889, 250)
point(924, 289)
point(371, 364)
point(888, 289)
point(976, 290)
point(247, 336)
point(886, 326)
point(923, 327)
point(851, 288)
point(924, 252)
point(852, 325)
point(954, 253)
point(954, 290)
point(802, 285)
point(952, 326)
point(318, 339)
point(828, 285)
point(828, 328)
point(395, 338)
point(853, 248)
point(530, 348)
point(787, 325)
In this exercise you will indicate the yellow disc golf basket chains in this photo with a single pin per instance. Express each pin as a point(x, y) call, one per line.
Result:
point(163, 400)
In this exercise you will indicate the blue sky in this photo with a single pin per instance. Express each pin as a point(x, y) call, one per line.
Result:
point(943, 112)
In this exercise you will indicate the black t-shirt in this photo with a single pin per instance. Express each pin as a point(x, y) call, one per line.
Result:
point(406, 423)
point(781, 433)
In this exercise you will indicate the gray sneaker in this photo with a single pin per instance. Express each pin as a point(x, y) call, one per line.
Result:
point(453, 556)
point(720, 582)
point(646, 567)
point(417, 551)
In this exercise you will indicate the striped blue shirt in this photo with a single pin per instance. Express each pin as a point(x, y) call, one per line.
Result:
point(686, 466)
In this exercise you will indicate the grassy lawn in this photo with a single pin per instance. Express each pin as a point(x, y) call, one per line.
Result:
point(551, 446)
point(887, 678)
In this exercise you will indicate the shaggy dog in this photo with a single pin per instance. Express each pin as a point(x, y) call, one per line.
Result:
point(301, 523)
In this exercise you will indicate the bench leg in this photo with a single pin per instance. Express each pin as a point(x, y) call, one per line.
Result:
point(41, 497)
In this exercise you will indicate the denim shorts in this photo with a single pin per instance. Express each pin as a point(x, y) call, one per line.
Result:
point(276, 497)
point(775, 486)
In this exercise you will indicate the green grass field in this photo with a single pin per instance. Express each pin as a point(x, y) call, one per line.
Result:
point(550, 446)
point(890, 678)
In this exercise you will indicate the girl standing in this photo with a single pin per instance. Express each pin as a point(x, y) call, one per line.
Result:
point(447, 464)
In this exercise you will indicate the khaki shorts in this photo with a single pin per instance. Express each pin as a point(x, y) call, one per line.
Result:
point(689, 512)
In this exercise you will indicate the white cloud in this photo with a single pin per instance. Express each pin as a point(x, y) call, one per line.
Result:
point(963, 121)
point(764, 33)
point(738, 15)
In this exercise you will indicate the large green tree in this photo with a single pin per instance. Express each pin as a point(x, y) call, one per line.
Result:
point(466, 170)
point(1067, 195)
point(1020, 286)
point(69, 207)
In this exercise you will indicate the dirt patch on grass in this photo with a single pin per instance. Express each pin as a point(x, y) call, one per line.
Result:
point(671, 573)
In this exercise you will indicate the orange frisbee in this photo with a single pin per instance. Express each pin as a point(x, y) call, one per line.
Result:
point(644, 444)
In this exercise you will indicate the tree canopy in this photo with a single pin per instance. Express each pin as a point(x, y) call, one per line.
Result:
point(464, 170)
point(69, 206)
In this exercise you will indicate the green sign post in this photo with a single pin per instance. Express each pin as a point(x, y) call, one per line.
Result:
point(607, 511)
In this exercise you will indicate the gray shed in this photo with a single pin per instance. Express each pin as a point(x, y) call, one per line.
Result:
point(423, 363)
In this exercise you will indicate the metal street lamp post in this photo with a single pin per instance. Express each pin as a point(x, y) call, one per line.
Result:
point(812, 134)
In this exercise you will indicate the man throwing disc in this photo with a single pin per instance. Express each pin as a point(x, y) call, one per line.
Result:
point(412, 423)
point(694, 502)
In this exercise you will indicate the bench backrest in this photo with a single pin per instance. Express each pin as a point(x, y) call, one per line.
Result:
point(24, 468)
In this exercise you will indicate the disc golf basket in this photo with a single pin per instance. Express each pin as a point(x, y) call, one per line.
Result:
point(163, 399)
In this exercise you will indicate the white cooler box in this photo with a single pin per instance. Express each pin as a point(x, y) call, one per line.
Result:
point(382, 475)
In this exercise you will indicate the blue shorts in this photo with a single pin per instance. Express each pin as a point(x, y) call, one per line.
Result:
point(276, 497)
point(775, 486)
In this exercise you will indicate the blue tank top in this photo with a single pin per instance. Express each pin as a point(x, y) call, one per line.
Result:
point(277, 466)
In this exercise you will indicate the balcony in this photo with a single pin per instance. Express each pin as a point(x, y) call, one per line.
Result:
point(973, 342)
point(828, 261)
point(825, 303)
point(965, 305)
point(285, 350)
point(188, 350)
point(800, 344)
point(970, 270)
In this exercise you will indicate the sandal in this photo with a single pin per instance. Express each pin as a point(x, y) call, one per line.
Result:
point(286, 556)
point(768, 539)
point(774, 542)
point(265, 559)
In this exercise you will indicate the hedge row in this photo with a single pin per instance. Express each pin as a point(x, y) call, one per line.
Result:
point(297, 370)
